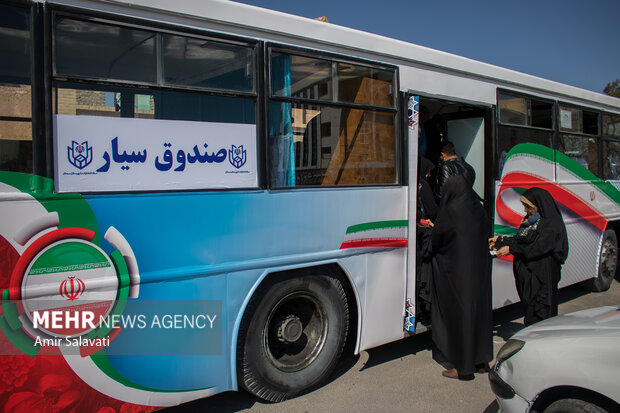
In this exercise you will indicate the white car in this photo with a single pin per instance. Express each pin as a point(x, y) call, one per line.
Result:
point(568, 364)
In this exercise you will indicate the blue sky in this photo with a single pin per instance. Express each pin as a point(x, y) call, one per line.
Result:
point(569, 41)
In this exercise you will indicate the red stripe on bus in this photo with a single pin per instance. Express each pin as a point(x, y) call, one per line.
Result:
point(369, 243)
point(559, 193)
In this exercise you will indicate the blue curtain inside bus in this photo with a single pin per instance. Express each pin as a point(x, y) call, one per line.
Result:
point(282, 149)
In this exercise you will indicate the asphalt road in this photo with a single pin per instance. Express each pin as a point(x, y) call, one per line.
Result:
point(401, 376)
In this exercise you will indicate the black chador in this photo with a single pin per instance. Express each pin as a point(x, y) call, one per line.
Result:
point(539, 251)
point(462, 293)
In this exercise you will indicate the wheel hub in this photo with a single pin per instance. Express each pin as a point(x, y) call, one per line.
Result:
point(290, 329)
point(609, 257)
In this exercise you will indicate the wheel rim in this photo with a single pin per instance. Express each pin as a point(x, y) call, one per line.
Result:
point(609, 259)
point(295, 332)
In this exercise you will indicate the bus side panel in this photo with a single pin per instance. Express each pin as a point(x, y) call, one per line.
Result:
point(384, 310)
point(587, 204)
point(176, 252)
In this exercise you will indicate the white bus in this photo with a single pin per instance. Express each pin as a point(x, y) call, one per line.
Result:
point(197, 196)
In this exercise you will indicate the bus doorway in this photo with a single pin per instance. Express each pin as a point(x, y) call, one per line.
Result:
point(436, 122)
point(460, 123)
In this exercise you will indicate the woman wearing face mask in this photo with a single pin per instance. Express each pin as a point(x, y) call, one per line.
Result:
point(540, 247)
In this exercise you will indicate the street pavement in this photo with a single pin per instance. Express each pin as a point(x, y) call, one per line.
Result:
point(401, 376)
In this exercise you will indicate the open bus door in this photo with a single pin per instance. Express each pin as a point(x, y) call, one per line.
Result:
point(431, 122)
point(412, 139)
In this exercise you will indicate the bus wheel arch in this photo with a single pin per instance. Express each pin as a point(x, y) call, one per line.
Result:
point(294, 330)
point(608, 260)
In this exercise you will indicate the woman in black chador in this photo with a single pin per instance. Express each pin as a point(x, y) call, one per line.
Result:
point(539, 249)
point(461, 302)
point(426, 214)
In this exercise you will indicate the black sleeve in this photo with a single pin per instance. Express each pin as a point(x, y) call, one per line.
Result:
point(536, 244)
point(442, 176)
point(428, 200)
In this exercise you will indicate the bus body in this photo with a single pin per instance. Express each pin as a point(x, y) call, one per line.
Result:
point(239, 198)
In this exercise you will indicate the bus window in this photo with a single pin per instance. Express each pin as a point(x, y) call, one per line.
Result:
point(15, 95)
point(113, 52)
point(611, 159)
point(512, 109)
point(121, 102)
point(577, 144)
point(331, 146)
point(509, 136)
point(360, 84)
point(611, 125)
point(611, 147)
point(570, 120)
point(581, 149)
point(300, 76)
point(349, 144)
point(522, 119)
point(202, 63)
point(149, 81)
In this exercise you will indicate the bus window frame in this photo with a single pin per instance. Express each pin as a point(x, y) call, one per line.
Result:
point(598, 137)
point(516, 94)
point(93, 83)
point(167, 29)
point(396, 109)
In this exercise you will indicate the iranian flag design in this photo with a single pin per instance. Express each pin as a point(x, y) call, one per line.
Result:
point(570, 183)
point(381, 234)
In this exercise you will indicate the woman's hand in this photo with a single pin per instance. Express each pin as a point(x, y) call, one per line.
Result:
point(492, 242)
point(503, 251)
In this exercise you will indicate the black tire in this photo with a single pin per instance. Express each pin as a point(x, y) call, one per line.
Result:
point(608, 264)
point(573, 406)
point(292, 335)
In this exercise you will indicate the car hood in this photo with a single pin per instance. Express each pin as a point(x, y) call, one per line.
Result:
point(603, 319)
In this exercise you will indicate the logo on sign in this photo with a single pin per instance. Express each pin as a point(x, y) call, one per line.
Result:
point(237, 156)
point(79, 155)
point(72, 288)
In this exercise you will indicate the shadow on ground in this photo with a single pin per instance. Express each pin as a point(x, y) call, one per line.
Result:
point(506, 322)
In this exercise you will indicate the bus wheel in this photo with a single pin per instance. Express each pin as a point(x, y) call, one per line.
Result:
point(292, 335)
point(608, 264)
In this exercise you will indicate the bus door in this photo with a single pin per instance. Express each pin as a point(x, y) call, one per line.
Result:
point(412, 178)
point(431, 122)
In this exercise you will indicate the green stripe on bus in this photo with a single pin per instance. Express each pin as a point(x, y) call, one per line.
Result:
point(504, 230)
point(377, 225)
point(566, 162)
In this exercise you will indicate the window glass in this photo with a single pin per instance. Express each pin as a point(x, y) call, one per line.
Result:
point(590, 122)
point(542, 114)
point(302, 77)
point(15, 91)
point(209, 64)
point(570, 119)
point(365, 85)
point(512, 110)
point(611, 160)
point(104, 51)
point(524, 111)
point(582, 150)
point(611, 125)
point(328, 146)
point(510, 136)
point(121, 102)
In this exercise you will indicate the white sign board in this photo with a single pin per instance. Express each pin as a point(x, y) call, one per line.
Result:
point(566, 119)
point(101, 154)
